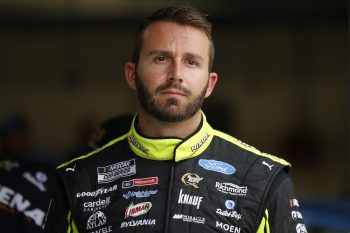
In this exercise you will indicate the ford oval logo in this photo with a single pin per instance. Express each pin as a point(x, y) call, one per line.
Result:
point(217, 166)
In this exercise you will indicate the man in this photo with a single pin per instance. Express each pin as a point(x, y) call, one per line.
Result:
point(25, 184)
point(25, 191)
point(171, 172)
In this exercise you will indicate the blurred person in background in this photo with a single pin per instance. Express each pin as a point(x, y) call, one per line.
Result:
point(25, 182)
point(172, 172)
point(16, 141)
point(25, 192)
point(109, 130)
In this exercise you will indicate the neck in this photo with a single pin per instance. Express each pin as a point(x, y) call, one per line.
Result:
point(152, 127)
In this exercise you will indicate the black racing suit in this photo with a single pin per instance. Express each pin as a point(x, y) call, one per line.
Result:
point(208, 182)
point(25, 192)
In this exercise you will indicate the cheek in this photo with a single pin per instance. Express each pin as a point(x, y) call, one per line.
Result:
point(197, 81)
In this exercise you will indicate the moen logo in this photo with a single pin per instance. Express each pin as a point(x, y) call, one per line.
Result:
point(191, 179)
point(138, 209)
point(227, 227)
point(189, 199)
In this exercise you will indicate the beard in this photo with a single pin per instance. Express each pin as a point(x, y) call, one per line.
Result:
point(172, 110)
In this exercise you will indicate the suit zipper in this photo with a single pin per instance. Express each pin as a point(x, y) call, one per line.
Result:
point(170, 190)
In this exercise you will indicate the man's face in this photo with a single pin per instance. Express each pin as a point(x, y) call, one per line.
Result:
point(172, 77)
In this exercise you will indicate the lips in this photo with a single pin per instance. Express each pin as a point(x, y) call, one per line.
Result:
point(172, 92)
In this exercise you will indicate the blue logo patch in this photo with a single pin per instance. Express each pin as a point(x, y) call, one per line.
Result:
point(230, 205)
point(217, 166)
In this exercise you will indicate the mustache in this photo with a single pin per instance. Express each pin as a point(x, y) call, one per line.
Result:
point(170, 85)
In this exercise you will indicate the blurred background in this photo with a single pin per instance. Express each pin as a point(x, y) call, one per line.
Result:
point(283, 87)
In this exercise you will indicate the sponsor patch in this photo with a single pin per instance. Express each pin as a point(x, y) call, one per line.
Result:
point(97, 192)
point(268, 165)
point(301, 228)
point(72, 169)
point(293, 203)
point(232, 189)
point(138, 209)
point(136, 223)
point(200, 143)
point(187, 218)
point(229, 213)
point(115, 171)
point(227, 227)
point(296, 215)
point(189, 199)
point(137, 145)
point(217, 166)
point(103, 230)
point(139, 194)
point(97, 205)
point(97, 219)
point(230, 205)
point(140, 182)
point(191, 179)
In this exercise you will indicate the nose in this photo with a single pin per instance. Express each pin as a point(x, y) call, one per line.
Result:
point(175, 72)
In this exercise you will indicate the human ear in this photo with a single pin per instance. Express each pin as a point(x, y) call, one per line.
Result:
point(130, 74)
point(213, 78)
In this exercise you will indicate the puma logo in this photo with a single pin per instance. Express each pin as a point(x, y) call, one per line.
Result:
point(71, 168)
point(269, 166)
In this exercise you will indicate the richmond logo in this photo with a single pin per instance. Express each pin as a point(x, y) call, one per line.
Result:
point(191, 179)
point(233, 189)
point(138, 209)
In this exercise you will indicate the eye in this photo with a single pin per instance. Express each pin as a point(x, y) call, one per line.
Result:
point(192, 62)
point(160, 59)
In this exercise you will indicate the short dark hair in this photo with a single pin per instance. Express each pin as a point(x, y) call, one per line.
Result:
point(183, 15)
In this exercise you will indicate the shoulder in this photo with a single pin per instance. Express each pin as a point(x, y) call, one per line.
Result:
point(247, 149)
point(86, 158)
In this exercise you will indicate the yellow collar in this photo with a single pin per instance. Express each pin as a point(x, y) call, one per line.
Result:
point(171, 148)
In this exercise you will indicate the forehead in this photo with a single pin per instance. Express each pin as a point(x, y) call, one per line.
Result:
point(174, 37)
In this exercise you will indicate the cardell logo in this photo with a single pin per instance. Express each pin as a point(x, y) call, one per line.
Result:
point(217, 166)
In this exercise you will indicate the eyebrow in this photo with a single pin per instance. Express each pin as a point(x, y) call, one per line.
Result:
point(169, 54)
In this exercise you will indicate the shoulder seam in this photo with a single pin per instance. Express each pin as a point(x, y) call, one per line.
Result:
point(249, 148)
point(93, 152)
